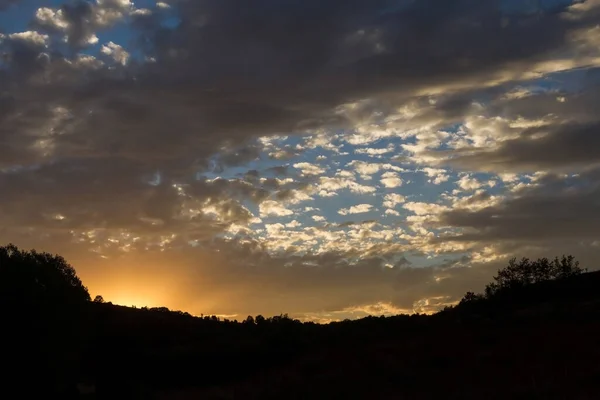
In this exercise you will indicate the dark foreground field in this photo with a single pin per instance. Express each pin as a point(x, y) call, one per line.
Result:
point(533, 341)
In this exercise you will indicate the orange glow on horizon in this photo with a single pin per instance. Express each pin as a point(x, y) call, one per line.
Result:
point(135, 280)
point(138, 294)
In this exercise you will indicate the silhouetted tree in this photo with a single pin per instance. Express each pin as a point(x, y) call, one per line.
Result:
point(29, 276)
point(471, 297)
point(527, 272)
point(98, 299)
point(519, 274)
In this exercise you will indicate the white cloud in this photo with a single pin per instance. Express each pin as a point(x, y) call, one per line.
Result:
point(325, 193)
point(468, 183)
point(437, 175)
point(32, 37)
point(329, 185)
point(142, 12)
point(508, 177)
point(309, 169)
point(475, 202)
point(321, 140)
point(358, 209)
point(392, 200)
point(376, 152)
point(391, 180)
point(116, 52)
point(297, 196)
point(293, 224)
point(366, 169)
point(274, 229)
point(273, 208)
point(425, 208)
point(87, 61)
point(426, 140)
point(52, 18)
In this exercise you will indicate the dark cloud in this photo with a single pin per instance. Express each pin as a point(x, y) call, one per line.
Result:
point(229, 72)
point(113, 193)
point(567, 147)
point(579, 104)
point(556, 209)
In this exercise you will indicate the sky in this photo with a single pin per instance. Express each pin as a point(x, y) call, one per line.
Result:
point(326, 159)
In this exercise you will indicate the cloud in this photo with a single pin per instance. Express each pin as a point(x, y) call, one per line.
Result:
point(424, 208)
point(327, 185)
point(374, 152)
point(437, 176)
point(358, 209)
point(391, 180)
point(392, 200)
point(270, 207)
point(309, 169)
point(566, 147)
point(468, 183)
point(293, 224)
point(116, 52)
point(31, 37)
point(557, 209)
point(477, 201)
point(366, 169)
